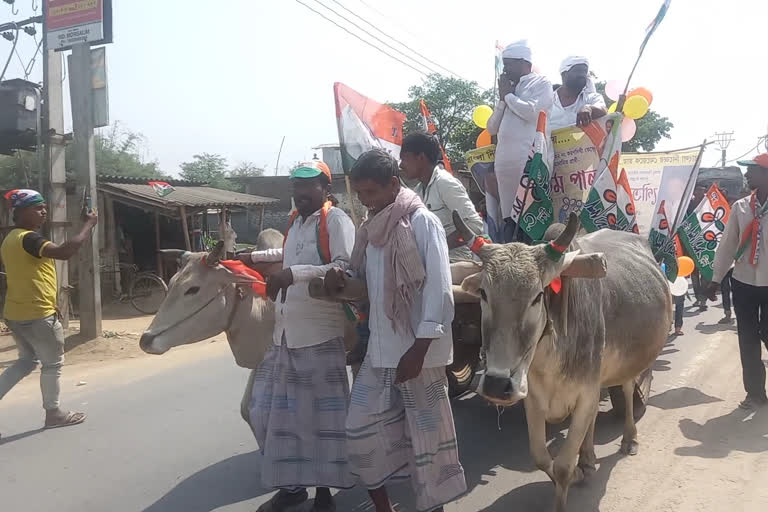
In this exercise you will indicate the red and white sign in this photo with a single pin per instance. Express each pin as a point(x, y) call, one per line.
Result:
point(70, 22)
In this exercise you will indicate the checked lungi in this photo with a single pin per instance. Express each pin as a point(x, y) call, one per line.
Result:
point(400, 431)
point(298, 411)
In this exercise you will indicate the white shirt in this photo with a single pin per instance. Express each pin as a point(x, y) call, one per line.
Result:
point(514, 122)
point(304, 320)
point(561, 116)
point(443, 194)
point(743, 270)
point(432, 311)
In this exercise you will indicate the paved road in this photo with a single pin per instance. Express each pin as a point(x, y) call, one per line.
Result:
point(164, 434)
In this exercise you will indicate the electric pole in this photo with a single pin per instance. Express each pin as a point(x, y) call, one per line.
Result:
point(723, 140)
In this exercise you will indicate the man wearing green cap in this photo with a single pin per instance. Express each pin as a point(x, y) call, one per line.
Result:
point(30, 301)
point(745, 242)
point(298, 406)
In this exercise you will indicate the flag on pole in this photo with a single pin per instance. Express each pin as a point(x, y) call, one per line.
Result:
point(663, 243)
point(701, 231)
point(534, 196)
point(161, 188)
point(365, 124)
point(655, 24)
point(600, 208)
point(430, 127)
point(626, 203)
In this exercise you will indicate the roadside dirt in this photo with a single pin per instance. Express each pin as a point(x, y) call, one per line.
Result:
point(120, 339)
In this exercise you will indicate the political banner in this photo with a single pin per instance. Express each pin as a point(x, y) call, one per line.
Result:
point(656, 177)
point(365, 124)
point(578, 152)
point(701, 231)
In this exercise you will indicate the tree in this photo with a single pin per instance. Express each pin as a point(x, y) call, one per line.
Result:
point(650, 128)
point(451, 102)
point(207, 168)
point(118, 152)
point(245, 170)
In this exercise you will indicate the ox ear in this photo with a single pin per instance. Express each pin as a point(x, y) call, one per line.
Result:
point(216, 255)
point(471, 284)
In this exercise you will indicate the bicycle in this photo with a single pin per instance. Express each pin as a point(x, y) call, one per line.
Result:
point(146, 290)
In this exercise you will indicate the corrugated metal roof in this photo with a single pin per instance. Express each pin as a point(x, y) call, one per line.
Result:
point(191, 197)
point(116, 178)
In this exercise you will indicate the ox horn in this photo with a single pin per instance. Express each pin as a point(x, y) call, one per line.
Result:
point(173, 253)
point(214, 257)
point(461, 226)
point(566, 237)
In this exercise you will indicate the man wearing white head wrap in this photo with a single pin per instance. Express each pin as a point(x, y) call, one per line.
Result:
point(522, 95)
point(576, 102)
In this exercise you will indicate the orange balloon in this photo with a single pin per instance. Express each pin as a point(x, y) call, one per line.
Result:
point(484, 139)
point(641, 91)
point(685, 266)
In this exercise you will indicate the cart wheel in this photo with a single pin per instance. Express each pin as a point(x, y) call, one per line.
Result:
point(147, 293)
point(639, 399)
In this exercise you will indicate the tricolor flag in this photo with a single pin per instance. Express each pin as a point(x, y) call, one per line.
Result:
point(655, 24)
point(600, 209)
point(365, 124)
point(626, 203)
point(701, 231)
point(429, 127)
point(534, 196)
point(662, 242)
point(161, 188)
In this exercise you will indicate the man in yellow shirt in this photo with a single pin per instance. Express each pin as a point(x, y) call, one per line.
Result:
point(30, 301)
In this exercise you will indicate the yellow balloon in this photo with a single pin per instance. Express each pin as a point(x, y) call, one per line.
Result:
point(612, 108)
point(636, 107)
point(481, 114)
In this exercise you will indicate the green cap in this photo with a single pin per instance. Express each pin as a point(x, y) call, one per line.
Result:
point(311, 170)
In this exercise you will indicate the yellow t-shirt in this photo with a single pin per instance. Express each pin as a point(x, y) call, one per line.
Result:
point(30, 277)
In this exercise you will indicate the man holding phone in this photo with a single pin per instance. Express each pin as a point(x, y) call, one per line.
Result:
point(30, 301)
point(522, 95)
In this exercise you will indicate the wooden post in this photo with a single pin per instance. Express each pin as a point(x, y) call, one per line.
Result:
point(54, 156)
point(352, 211)
point(160, 271)
point(185, 226)
point(85, 162)
point(261, 220)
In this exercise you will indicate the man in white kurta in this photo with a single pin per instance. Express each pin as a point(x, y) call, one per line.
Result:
point(576, 102)
point(522, 95)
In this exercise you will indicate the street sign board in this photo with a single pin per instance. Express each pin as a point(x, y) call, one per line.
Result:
point(69, 22)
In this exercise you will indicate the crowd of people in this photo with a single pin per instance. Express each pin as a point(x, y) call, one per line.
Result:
point(395, 421)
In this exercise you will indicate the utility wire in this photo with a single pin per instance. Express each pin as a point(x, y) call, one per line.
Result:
point(10, 55)
point(395, 39)
point(31, 65)
point(432, 70)
point(757, 146)
point(361, 39)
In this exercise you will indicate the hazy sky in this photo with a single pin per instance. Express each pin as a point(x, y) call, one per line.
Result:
point(234, 76)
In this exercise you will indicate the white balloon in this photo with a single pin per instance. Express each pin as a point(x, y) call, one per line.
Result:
point(679, 287)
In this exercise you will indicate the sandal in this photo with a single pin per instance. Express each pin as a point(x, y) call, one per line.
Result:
point(284, 501)
point(71, 418)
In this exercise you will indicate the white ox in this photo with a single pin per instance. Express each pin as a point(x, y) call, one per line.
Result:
point(557, 350)
point(205, 299)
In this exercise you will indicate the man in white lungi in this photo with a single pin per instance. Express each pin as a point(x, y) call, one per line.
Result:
point(300, 393)
point(522, 95)
point(400, 422)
